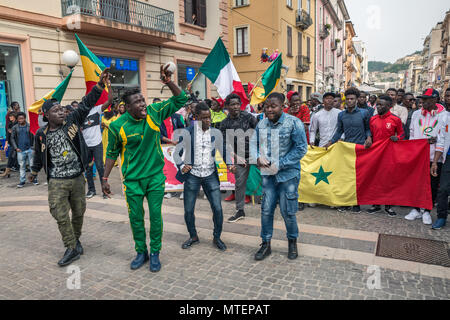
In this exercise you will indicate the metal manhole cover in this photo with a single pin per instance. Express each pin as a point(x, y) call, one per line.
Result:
point(414, 249)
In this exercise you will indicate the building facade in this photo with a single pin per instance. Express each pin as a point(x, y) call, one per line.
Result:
point(444, 62)
point(350, 56)
point(133, 37)
point(284, 25)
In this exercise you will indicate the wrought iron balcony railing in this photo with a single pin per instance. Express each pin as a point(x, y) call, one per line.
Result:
point(303, 63)
point(131, 12)
point(324, 32)
point(303, 20)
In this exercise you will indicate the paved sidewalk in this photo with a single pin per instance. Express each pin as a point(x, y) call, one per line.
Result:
point(335, 253)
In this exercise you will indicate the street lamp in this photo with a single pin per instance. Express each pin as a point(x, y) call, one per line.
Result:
point(70, 58)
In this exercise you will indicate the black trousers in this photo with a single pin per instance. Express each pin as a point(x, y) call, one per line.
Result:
point(12, 159)
point(96, 154)
point(444, 191)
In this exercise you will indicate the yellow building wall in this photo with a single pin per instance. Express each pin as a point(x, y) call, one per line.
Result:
point(267, 21)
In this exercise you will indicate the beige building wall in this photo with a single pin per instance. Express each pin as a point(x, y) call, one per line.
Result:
point(42, 48)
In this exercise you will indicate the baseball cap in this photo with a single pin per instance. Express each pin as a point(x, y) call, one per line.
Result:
point(430, 93)
point(328, 94)
point(48, 104)
point(317, 96)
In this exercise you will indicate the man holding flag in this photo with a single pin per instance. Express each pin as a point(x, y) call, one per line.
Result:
point(60, 149)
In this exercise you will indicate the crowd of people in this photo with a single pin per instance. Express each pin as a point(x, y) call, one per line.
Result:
point(275, 136)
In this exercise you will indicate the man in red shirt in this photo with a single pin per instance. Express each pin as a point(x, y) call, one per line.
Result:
point(299, 110)
point(385, 125)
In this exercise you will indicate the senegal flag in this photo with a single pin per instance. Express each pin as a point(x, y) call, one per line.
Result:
point(92, 67)
point(35, 109)
point(269, 80)
point(388, 173)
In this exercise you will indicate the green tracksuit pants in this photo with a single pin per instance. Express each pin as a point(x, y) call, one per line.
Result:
point(135, 191)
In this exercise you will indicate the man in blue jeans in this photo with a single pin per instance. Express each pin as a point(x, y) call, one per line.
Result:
point(279, 144)
point(199, 169)
point(22, 141)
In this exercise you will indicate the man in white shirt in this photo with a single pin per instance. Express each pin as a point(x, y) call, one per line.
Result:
point(92, 135)
point(324, 121)
point(199, 169)
point(426, 123)
point(398, 110)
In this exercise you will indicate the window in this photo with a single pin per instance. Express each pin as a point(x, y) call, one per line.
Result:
point(195, 12)
point(308, 6)
point(320, 16)
point(308, 93)
point(320, 54)
point(198, 86)
point(299, 43)
point(300, 92)
point(289, 41)
point(240, 3)
point(242, 40)
point(289, 3)
point(290, 87)
point(299, 4)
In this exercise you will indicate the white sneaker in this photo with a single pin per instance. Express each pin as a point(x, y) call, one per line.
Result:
point(182, 196)
point(426, 218)
point(312, 205)
point(168, 195)
point(413, 215)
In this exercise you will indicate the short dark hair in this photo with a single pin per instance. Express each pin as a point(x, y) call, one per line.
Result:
point(329, 94)
point(69, 108)
point(401, 90)
point(278, 96)
point(73, 102)
point(126, 96)
point(386, 98)
point(232, 96)
point(392, 89)
point(352, 91)
point(363, 92)
point(447, 90)
point(409, 94)
point(21, 114)
point(12, 114)
point(155, 100)
point(14, 103)
point(208, 102)
point(202, 106)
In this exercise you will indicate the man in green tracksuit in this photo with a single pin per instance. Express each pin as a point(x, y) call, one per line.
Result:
point(135, 136)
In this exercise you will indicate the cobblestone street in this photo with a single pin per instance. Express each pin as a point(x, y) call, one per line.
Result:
point(335, 251)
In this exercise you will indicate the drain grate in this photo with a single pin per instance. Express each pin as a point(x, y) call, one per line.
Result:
point(414, 249)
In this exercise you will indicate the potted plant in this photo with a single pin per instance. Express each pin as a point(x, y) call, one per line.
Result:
point(338, 40)
point(328, 26)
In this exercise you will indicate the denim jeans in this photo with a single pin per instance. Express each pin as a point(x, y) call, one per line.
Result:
point(96, 154)
point(211, 187)
point(24, 157)
point(286, 193)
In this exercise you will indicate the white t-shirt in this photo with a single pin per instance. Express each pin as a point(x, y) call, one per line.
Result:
point(91, 127)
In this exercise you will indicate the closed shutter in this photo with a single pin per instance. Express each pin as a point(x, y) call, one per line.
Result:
point(289, 41)
point(308, 48)
point(188, 11)
point(300, 44)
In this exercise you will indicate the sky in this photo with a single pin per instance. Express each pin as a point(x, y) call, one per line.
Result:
point(393, 29)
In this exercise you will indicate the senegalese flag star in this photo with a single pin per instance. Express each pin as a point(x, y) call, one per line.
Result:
point(322, 176)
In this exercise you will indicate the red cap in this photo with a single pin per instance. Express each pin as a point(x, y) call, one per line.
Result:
point(290, 94)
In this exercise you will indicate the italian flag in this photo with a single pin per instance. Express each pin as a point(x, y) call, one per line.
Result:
point(35, 109)
point(219, 68)
point(92, 67)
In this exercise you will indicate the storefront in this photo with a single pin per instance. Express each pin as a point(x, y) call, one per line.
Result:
point(11, 82)
point(124, 71)
point(186, 73)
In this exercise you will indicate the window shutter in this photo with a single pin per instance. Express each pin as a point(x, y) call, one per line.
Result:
point(201, 13)
point(308, 48)
point(188, 11)
point(289, 41)
point(300, 44)
point(245, 35)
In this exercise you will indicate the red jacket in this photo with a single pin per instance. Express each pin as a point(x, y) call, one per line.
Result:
point(386, 126)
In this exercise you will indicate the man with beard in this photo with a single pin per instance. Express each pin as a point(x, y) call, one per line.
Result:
point(362, 104)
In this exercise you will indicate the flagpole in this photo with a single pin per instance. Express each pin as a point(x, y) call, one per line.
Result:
point(257, 82)
point(194, 78)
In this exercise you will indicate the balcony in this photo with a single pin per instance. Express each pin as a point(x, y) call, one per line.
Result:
point(303, 63)
point(124, 19)
point(324, 32)
point(303, 20)
point(334, 45)
point(339, 51)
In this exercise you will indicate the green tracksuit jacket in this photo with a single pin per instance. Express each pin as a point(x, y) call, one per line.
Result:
point(142, 162)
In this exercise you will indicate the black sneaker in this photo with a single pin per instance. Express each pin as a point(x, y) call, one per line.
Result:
point(390, 212)
point(237, 216)
point(301, 206)
point(90, 194)
point(356, 209)
point(374, 210)
point(35, 182)
point(342, 209)
point(264, 251)
point(69, 256)
point(21, 185)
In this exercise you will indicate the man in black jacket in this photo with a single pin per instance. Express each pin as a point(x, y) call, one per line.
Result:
point(60, 149)
point(22, 140)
